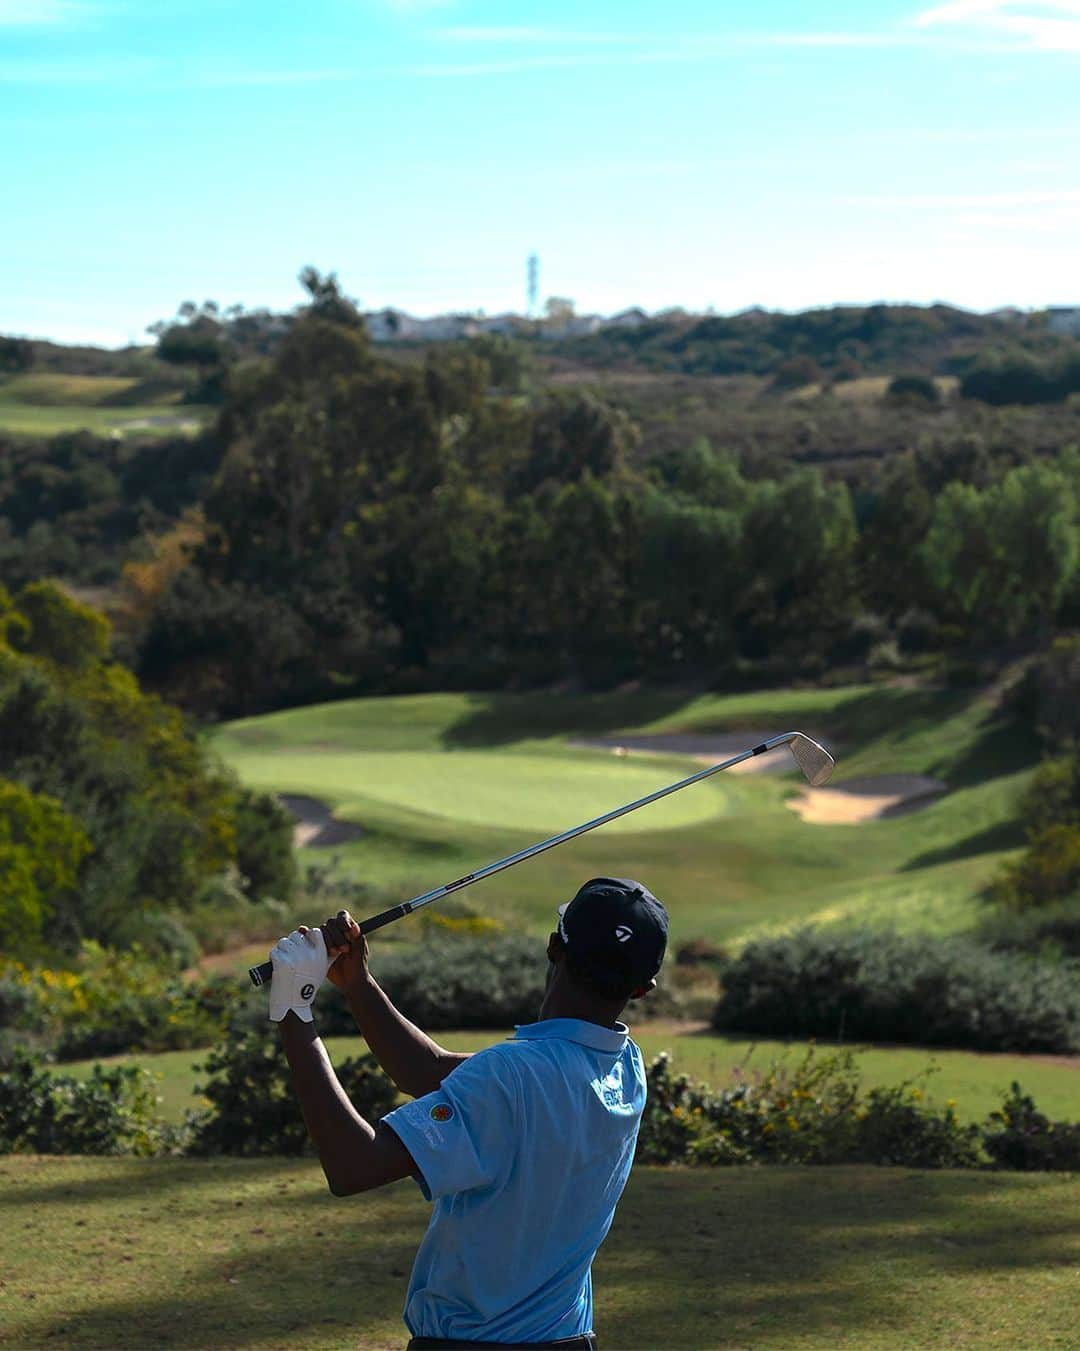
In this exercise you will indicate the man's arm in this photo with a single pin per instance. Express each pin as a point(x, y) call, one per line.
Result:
point(355, 1157)
point(416, 1064)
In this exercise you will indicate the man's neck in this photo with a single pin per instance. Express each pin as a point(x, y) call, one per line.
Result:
point(564, 1003)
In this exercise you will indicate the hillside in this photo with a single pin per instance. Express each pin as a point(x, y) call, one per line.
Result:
point(439, 784)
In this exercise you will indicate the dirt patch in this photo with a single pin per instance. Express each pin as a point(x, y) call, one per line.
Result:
point(869, 799)
point(708, 747)
point(316, 825)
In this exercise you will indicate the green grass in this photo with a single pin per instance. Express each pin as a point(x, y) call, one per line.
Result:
point(443, 783)
point(48, 389)
point(976, 1082)
point(148, 420)
point(45, 404)
point(123, 1253)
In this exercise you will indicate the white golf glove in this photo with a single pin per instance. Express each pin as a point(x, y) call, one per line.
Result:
point(300, 967)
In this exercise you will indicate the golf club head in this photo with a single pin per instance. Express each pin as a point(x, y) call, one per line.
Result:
point(815, 761)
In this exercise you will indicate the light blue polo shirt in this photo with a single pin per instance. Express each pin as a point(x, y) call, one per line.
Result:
point(525, 1150)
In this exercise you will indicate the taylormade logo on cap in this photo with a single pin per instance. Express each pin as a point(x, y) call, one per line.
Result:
point(623, 934)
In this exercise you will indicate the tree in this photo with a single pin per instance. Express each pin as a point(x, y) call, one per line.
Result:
point(913, 389)
point(41, 851)
point(328, 301)
point(197, 338)
point(16, 355)
point(60, 629)
point(574, 434)
point(1007, 554)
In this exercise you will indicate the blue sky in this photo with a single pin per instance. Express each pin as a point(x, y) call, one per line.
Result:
point(688, 153)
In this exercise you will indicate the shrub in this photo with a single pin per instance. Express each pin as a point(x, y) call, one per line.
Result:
point(1049, 931)
point(254, 1109)
point(115, 1001)
point(1021, 1138)
point(869, 985)
point(114, 1111)
point(1048, 870)
point(1053, 795)
point(493, 981)
point(913, 389)
point(812, 1113)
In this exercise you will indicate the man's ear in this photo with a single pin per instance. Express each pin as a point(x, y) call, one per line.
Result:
point(556, 948)
point(643, 990)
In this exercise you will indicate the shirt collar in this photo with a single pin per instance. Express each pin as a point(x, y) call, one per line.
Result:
point(575, 1029)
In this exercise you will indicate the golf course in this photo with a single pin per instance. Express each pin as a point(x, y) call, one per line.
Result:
point(401, 793)
point(438, 785)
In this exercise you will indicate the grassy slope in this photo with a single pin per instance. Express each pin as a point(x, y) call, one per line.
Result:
point(255, 1253)
point(976, 1082)
point(48, 404)
point(442, 783)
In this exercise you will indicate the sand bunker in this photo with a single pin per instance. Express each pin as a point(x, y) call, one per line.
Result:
point(316, 825)
point(710, 748)
point(865, 799)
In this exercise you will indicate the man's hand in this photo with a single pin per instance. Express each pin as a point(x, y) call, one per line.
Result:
point(300, 965)
point(348, 951)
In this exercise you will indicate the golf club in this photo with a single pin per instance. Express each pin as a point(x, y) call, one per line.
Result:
point(815, 762)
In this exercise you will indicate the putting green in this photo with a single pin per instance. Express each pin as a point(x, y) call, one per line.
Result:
point(544, 792)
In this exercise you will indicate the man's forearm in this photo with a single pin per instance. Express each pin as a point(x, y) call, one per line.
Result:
point(354, 1156)
point(416, 1064)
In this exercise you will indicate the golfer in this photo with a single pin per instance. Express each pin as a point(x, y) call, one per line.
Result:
point(524, 1148)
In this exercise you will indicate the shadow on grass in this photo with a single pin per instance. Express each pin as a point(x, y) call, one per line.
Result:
point(1003, 835)
point(241, 1255)
point(804, 1256)
point(1002, 747)
point(495, 719)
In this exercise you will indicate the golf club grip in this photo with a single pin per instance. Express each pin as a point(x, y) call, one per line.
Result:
point(264, 972)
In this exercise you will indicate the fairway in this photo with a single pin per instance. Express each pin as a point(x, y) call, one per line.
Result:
point(41, 404)
point(441, 784)
point(149, 420)
point(128, 1253)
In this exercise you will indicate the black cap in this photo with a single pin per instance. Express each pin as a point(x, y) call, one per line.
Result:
point(617, 927)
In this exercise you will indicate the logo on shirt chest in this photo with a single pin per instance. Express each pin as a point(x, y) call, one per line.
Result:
point(442, 1111)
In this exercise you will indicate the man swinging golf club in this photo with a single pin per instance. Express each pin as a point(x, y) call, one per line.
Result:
point(524, 1148)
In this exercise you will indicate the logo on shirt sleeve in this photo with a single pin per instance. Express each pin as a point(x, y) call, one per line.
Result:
point(442, 1111)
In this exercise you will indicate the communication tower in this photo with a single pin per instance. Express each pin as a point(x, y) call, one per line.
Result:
point(533, 291)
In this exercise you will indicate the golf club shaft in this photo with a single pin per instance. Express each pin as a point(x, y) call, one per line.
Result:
point(260, 975)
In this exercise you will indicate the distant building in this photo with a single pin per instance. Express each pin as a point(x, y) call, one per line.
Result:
point(390, 325)
point(633, 318)
point(1064, 320)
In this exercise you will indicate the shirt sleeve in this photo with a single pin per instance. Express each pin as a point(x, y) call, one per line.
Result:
point(462, 1136)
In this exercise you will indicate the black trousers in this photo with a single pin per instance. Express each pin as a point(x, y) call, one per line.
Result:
point(586, 1342)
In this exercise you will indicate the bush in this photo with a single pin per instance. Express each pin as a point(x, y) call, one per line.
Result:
point(868, 985)
point(454, 982)
point(1049, 931)
point(254, 1109)
point(112, 1002)
point(1021, 1138)
point(913, 389)
point(1053, 795)
point(813, 1113)
point(816, 1113)
point(1048, 871)
point(114, 1111)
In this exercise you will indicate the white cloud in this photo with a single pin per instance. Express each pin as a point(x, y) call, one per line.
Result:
point(1026, 25)
point(38, 13)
